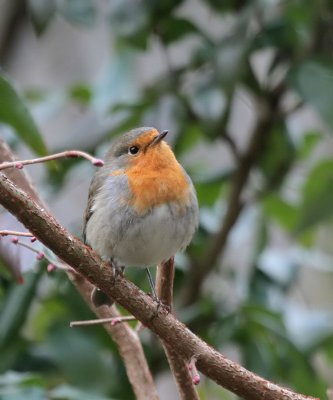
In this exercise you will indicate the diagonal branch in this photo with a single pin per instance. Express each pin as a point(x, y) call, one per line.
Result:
point(214, 365)
point(128, 342)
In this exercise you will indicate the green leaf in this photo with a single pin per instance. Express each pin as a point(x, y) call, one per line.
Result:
point(81, 12)
point(72, 393)
point(308, 144)
point(130, 22)
point(283, 212)
point(276, 160)
point(226, 5)
point(317, 203)
point(78, 355)
point(19, 393)
point(14, 113)
point(41, 13)
point(313, 81)
point(12, 378)
point(190, 136)
point(231, 55)
point(173, 29)
point(209, 189)
point(160, 9)
point(15, 308)
point(81, 93)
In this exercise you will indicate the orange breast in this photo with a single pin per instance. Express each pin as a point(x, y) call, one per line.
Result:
point(156, 178)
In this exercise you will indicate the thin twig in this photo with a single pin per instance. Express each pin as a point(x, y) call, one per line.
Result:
point(193, 371)
point(15, 233)
point(68, 153)
point(110, 320)
point(41, 255)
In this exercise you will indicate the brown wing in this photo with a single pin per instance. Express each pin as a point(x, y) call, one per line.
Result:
point(96, 183)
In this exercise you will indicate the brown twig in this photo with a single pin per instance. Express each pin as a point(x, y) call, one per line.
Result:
point(15, 233)
point(64, 154)
point(179, 365)
point(41, 256)
point(109, 320)
point(193, 371)
point(164, 282)
point(214, 365)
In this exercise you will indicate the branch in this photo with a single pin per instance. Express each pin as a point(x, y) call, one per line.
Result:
point(179, 365)
point(68, 153)
point(15, 233)
point(127, 340)
point(109, 320)
point(214, 365)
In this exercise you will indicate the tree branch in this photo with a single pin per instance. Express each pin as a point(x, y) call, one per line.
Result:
point(128, 342)
point(15, 233)
point(72, 251)
point(179, 365)
point(19, 164)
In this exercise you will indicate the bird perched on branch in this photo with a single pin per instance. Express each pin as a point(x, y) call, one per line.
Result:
point(142, 206)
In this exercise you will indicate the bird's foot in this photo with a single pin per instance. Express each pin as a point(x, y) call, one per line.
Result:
point(161, 308)
point(117, 271)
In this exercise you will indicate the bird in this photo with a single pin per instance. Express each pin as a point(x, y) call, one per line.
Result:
point(142, 206)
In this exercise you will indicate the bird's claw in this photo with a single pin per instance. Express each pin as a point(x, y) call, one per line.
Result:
point(161, 308)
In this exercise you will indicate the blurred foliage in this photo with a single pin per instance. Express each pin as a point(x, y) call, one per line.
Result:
point(274, 57)
point(14, 113)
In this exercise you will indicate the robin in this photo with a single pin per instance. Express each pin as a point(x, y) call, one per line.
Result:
point(142, 206)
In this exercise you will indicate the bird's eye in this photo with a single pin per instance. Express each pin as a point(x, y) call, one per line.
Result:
point(133, 150)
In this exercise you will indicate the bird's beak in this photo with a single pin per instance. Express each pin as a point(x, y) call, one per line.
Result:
point(159, 137)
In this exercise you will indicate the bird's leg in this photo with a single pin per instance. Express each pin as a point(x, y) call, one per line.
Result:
point(151, 284)
point(98, 297)
point(154, 294)
point(117, 269)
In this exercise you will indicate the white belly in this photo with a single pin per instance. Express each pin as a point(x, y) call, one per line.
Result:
point(154, 238)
